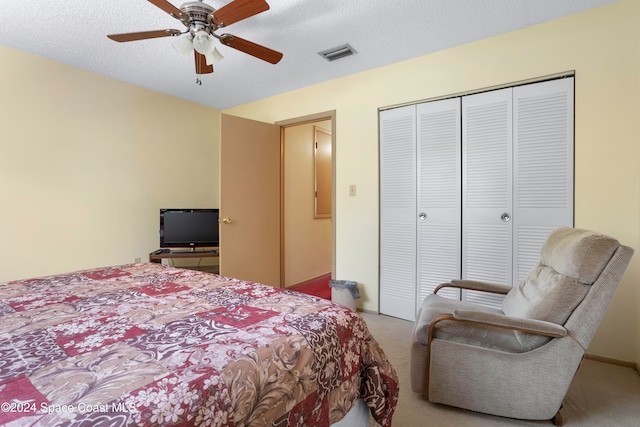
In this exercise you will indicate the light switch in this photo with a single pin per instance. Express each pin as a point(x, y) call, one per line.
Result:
point(352, 190)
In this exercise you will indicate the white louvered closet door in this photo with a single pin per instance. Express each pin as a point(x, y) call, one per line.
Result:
point(439, 197)
point(493, 175)
point(397, 212)
point(487, 191)
point(543, 167)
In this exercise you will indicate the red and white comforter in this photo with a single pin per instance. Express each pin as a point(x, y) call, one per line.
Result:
point(148, 344)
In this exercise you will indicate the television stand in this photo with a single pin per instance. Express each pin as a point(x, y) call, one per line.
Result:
point(195, 251)
point(208, 253)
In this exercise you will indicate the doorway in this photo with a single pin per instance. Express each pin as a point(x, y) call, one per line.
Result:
point(307, 241)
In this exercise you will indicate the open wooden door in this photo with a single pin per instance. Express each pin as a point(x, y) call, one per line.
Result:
point(250, 200)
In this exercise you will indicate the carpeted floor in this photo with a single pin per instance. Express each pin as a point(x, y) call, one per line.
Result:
point(601, 394)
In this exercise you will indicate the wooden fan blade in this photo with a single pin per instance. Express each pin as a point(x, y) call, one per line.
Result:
point(238, 10)
point(252, 49)
point(129, 37)
point(201, 64)
point(168, 7)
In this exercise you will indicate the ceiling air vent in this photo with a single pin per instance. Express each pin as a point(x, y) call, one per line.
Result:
point(337, 52)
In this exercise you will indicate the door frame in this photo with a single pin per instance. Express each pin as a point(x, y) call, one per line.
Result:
point(312, 118)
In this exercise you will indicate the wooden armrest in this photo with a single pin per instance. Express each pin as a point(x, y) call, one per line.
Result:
point(474, 285)
point(532, 326)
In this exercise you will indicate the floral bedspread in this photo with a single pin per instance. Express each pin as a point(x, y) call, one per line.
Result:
point(148, 344)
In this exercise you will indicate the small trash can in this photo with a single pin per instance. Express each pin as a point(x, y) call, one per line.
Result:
point(344, 292)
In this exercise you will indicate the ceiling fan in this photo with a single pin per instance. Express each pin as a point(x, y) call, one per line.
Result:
point(202, 22)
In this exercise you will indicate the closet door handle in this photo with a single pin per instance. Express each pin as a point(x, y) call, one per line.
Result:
point(506, 217)
point(226, 220)
point(422, 216)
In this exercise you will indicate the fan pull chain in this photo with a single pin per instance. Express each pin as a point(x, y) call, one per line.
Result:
point(198, 67)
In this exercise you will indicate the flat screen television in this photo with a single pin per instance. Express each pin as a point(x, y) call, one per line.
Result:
point(189, 228)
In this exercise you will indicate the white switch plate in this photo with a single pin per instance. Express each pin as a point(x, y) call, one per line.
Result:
point(352, 190)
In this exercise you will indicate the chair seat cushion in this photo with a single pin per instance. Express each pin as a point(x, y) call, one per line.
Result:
point(466, 333)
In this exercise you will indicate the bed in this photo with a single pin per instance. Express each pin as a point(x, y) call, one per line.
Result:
point(149, 344)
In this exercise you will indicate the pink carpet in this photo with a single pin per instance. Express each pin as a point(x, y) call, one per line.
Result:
point(318, 287)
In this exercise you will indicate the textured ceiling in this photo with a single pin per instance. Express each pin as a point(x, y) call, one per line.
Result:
point(382, 32)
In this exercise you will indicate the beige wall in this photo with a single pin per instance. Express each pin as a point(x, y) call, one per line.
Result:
point(307, 239)
point(84, 160)
point(86, 163)
point(601, 45)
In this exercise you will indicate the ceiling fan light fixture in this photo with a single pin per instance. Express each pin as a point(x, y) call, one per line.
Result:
point(203, 43)
point(213, 57)
point(184, 46)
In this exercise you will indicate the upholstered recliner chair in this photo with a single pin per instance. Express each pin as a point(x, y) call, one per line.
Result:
point(518, 362)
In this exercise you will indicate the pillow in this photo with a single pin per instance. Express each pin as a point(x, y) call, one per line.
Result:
point(570, 261)
point(545, 295)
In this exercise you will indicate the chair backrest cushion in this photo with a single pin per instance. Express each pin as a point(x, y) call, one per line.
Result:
point(579, 254)
point(571, 260)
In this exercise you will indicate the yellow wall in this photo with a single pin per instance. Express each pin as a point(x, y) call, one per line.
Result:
point(86, 163)
point(602, 46)
point(307, 239)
